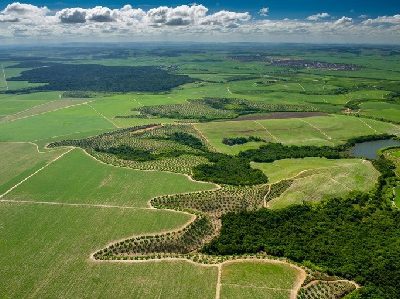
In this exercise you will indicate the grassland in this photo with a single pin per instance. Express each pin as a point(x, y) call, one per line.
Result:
point(90, 182)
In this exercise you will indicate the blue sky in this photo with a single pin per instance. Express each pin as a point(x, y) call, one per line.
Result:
point(278, 8)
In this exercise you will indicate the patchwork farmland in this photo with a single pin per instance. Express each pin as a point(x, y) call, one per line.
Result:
point(231, 178)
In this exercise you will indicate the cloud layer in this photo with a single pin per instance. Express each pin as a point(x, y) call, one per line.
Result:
point(26, 22)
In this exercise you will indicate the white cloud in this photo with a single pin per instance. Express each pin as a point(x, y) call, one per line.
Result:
point(101, 14)
point(263, 11)
point(8, 19)
point(22, 9)
point(23, 22)
point(72, 15)
point(383, 20)
point(226, 19)
point(318, 16)
point(23, 13)
point(343, 21)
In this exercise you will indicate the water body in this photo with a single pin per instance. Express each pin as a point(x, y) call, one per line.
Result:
point(369, 149)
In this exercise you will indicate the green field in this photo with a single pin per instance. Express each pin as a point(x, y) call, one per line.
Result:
point(19, 160)
point(322, 130)
point(380, 110)
point(45, 253)
point(318, 178)
point(91, 182)
point(57, 124)
point(12, 104)
point(257, 280)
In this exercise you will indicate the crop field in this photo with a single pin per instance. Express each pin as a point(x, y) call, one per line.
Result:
point(121, 167)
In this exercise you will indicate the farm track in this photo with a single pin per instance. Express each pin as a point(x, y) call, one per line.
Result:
point(374, 130)
point(102, 115)
point(55, 203)
point(4, 76)
point(268, 132)
point(329, 138)
point(203, 136)
point(5, 120)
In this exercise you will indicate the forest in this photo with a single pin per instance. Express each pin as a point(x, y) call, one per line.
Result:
point(100, 78)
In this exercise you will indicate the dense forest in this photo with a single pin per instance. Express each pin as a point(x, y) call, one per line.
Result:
point(277, 151)
point(357, 237)
point(94, 77)
point(230, 170)
point(241, 140)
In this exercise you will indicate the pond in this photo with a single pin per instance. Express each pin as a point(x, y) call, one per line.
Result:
point(369, 149)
